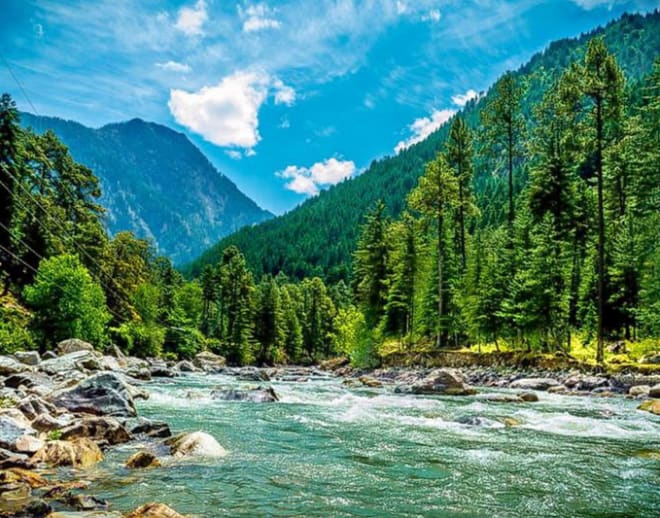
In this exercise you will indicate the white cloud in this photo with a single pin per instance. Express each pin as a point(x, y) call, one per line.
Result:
point(423, 127)
point(309, 180)
point(258, 17)
point(234, 154)
point(283, 94)
point(225, 114)
point(38, 30)
point(401, 7)
point(433, 15)
point(174, 66)
point(463, 99)
point(191, 19)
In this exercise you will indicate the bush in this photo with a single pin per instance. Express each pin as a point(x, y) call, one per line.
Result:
point(14, 335)
point(139, 339)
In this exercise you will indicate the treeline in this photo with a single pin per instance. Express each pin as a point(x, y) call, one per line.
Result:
point(576, 249)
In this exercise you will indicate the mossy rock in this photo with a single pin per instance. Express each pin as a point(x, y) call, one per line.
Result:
point(650, 405)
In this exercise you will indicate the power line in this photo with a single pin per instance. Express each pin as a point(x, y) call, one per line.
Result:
point(27, 97)
point(121, 298)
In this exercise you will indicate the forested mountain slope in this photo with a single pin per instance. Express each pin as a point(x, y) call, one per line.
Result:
point(156, 183)
point(318, 237)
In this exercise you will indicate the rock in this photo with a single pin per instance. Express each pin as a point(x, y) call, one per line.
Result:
point(530, 397)
point(654, 391)
point(334, 363)
point(46, 423)
point(101, 394)
point(154, 510)
point(253, 374)
point(209, 362)
point(48, 355)
point(256, 395)
point(639, 391)
point(116, 352)
point(592, 383)
point(85, 514)
point(147, 427)
point(650, 405)
point(99, 429)
point(9, 366)
point(368, 381)
point(33, 406)
point(28, 444)
point(76, 361)
point(35, 508)
point(557, 389)
point(86, 502)
point(162, 371)
point(109, 363)
point(195, 444)
point(142, 459)
point(23, 476)
point(185, 366)
point(9, 459)
point(511, 421)
point(534, 383)
point(440, 381)
point(28, 357)
point(500, 398)
point(475, 420)
point(11, 430)
point(139, 373)
point(29, 380)
point(73, 345)
point(79, 453)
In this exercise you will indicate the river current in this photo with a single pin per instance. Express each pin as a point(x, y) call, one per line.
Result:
point(329, 450)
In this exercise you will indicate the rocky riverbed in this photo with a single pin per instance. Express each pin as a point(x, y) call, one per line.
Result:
point(62, 414)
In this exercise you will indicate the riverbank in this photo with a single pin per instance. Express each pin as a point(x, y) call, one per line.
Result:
point(64, 415)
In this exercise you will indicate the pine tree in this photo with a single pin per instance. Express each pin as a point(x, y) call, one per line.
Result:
point(603, 84)
point(269, 327)
point(9, 142)
point(370, 265)
point(504, 125)
point(459, 156)
point(435, 195)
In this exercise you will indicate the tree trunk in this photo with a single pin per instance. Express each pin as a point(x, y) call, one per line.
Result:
point(441, 260)
point(601, 228)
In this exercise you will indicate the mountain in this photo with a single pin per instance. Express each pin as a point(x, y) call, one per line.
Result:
point(156, 183)
point(318, 237)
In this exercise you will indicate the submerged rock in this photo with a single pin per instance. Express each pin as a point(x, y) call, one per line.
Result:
point(475, 420)
point(142, 459)
point(147, 427)
point(501, 398)
point(534, 383)
point(154, 510)
point(256, 395)
point(106, 429)
point(195, 444)
point(102, 394)
point(79, 453)
point(529, 397)
point(650, 405)
point(368, 381)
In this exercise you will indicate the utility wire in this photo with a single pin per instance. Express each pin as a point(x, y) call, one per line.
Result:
point(27, 97)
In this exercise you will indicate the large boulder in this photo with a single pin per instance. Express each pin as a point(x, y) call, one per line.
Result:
point(9, 366)
point(73, 345)
point(185, 366)
point(534, 383)
point(75, 361)
point(11, 430)
point(79, 453)
point(28, 357)
point(104, 393)
point(154, 510)
point(256, 395)
point(639, 390)
point(100, 429)
point(195, 444)
point(29, 380)
point(440, 381)
point(209, 362)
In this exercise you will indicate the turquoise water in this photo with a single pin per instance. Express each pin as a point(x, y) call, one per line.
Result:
point(326, 450)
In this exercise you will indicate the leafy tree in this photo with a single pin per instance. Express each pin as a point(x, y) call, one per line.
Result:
point(67, 302)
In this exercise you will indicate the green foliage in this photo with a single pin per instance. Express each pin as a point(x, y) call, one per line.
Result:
point(354, 338)
point(67, 302)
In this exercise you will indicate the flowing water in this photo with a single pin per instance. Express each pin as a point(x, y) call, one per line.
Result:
point(326, 450)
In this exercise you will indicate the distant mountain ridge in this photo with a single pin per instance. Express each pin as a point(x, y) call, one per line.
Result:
point(318, 237)
point(156, 183)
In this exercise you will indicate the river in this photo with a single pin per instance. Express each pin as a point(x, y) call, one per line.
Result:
point(327, 450)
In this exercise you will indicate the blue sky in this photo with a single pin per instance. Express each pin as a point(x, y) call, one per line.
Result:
point(285, 97)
